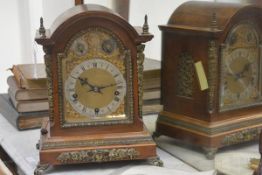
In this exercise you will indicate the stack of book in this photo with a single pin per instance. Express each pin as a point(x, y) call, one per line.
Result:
point(26, 103)
point(151, 87)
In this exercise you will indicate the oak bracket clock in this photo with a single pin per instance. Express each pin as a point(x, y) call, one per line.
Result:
point(94, 65)
point(212, 75)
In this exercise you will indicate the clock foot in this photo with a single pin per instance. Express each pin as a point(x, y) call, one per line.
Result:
point(41, 168)
point(37, 145)
point(210, 153)
point(156, 135)
point(156, 161)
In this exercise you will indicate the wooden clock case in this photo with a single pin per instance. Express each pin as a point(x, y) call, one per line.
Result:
point(98, 143)
point(197, 31)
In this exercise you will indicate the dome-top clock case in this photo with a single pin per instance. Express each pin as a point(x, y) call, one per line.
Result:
point(94, 65)
point(211, 75)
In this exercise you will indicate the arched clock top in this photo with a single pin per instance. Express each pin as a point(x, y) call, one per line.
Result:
point(197, 16)
point(253, 19)
point(83, 16)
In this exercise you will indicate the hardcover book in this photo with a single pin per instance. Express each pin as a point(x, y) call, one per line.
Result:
point(25, 94)
point(151, 94)
point(29, 105)
point(151, 79)
point(21, 121)
point(30, 76)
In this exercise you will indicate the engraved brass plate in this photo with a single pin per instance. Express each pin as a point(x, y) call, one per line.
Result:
point(95, 78)
point(241, 68)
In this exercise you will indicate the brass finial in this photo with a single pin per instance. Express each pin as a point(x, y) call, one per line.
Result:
point(42, 28)
point(214, 21)
point(145, 26)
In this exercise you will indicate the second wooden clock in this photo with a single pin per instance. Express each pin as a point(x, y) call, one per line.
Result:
point(211, 75)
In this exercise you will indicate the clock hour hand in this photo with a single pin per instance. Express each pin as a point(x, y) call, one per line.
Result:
point(245, 69)
point(241, 74)
point(84, 81)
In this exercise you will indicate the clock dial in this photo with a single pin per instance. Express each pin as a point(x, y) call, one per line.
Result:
point(95, 88)
point(80, 47)
point(95, 82)
point(240, 81)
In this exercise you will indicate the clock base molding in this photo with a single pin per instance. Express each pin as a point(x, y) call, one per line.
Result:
point(95, 148)
point(209, 136)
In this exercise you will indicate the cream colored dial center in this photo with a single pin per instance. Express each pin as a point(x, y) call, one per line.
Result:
point(95, 88)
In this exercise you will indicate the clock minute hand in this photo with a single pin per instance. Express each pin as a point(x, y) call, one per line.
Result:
point(110, 85)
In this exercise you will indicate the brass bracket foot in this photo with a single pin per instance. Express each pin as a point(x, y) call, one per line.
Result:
point(156, 135)
point(156, 161)
point(210, 153)
point(41, 168)
point(37, 145)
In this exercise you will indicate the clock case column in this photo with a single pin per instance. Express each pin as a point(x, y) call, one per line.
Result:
point(197, 31)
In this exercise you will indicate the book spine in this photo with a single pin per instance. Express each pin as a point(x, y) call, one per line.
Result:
point(7, 110)
point(30, 123)
point(18, 76)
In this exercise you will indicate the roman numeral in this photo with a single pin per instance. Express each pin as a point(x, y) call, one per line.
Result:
point(73, 77)
point(119, 87)
point(84, 109)
point(71, 90)
point(116, 99)
point(96, 111)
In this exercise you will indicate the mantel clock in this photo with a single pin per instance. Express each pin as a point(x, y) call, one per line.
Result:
point(211, 74)
point(94, 65)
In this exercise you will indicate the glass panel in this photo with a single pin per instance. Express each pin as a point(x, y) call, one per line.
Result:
point(240, 69)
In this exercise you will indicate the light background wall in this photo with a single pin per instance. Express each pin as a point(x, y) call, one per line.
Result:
point(20, 18)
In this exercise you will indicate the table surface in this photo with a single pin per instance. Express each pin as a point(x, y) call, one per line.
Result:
point(178, 158)
point(20, 145)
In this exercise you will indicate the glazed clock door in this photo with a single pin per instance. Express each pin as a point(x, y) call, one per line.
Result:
point(241, 68)
point(95, 80)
